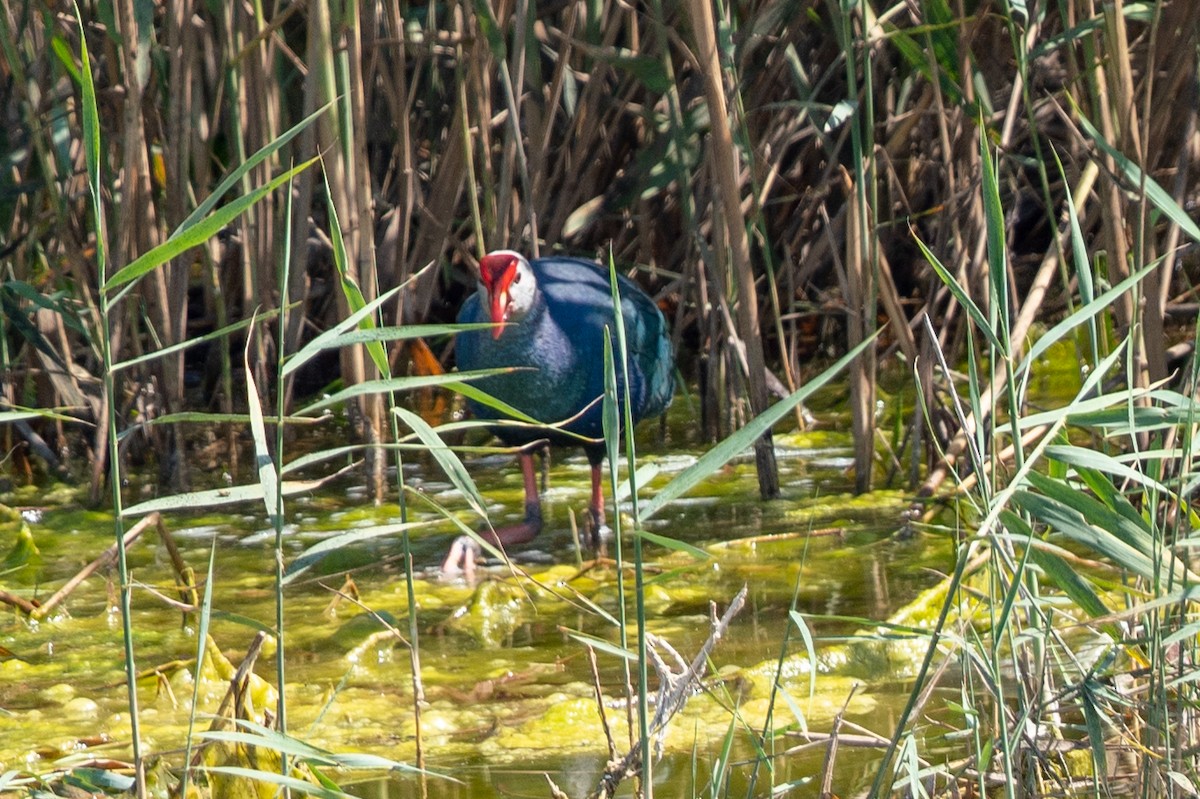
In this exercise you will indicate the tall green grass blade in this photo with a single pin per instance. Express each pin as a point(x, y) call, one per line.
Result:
point(192, 342)
point(268, 476)
point(327, 339)
point(908, 769)
point(58, 303)
point(1134, 530)
point(385, 385)
point(1079, 257)
point(794, 706)
point(610, 414)
point(91, 142)
point(741, 440)
point(92, 156)
point(314, 554)
point(202, 626)
point(673, 544)
point(283, 281)
point(375, 334)
point(1102, 486)
point(1090, 459)
point(621, 354)
point(204, 417)
point(719, 774)
point(235, 177)
point(463, 528)
point(960, 294)
point(350, 289)
point(214, 497)
point(810, 650)
point(282, 781)
point(259, 736)
point(607, 647)
point(1184, 633)
point(996, 240)
point(331, 453)
point(183, 240)
point(446, 458)
point(1074, 525)
point(1086, 313)
point(22, 414)
point(644, 474)
point(1096, 725)
point(1058, 570)
point(1177, 778)
point(483, 398)
point(1138, 178)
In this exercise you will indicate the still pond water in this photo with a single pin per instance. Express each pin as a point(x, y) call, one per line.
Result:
point(508, 687)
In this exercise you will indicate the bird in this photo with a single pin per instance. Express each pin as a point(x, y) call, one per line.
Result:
point(550, 316)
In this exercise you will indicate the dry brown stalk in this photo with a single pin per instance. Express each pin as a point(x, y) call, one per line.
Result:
point(19, 602)
point(234, 695)
point(105, 559)
point(860, 324)
point(831, 748)
point(675, 688)
point(725, 165)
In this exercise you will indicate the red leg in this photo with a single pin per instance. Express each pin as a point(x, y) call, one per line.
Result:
point(464, 550)
point(596, 508)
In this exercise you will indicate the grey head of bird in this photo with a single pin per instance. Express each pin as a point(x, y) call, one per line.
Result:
point(506, 279)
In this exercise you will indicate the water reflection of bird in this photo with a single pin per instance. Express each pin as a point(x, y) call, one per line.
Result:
point(555, 311)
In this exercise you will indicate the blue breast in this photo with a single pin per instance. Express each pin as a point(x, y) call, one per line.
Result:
point(558, 350)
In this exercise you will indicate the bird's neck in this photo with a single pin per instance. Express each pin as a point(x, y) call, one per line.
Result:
point(533, 314)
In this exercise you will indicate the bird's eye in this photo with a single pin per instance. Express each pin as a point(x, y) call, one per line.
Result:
point(517, 278)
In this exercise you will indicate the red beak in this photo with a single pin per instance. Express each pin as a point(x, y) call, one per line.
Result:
point(499, 297)
point(496, 272)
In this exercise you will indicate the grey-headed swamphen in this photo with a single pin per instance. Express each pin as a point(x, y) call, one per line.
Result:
point(554, 313)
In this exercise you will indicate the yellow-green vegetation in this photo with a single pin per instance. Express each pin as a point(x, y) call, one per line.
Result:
point(502, 679)
point(233, 238)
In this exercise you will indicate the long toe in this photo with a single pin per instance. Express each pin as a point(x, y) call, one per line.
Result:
point(461, 558)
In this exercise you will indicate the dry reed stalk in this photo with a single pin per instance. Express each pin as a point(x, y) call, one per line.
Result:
point(859, 327)
point(305, 191)
point(725, 165)
point(580, 172)
point(336, 141)
point(447, 176)
point(261, 111)
point(1099, 61)
point(393, 251)
point(1179, 29)
point(106, 559)
point(361, 259)
point(180, 123)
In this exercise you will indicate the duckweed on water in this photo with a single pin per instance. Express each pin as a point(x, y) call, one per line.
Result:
point(503, 679)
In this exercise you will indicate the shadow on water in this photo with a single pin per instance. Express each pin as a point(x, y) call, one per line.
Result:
point(509, 691)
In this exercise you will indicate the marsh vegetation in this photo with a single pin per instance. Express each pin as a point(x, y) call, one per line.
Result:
point(226, 226)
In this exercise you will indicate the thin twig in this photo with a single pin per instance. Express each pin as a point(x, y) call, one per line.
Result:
point(87, 571)
point(676, 689)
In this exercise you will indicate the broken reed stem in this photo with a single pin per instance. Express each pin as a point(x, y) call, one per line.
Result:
point(674, 691)
point(87, 571)
point(187, 577)
point(186, 587)
point(28, 607)
point(612, 745)
point(237, 684)
point(831, 747)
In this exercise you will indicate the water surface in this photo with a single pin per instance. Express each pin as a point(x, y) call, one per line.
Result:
point(508, 684)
